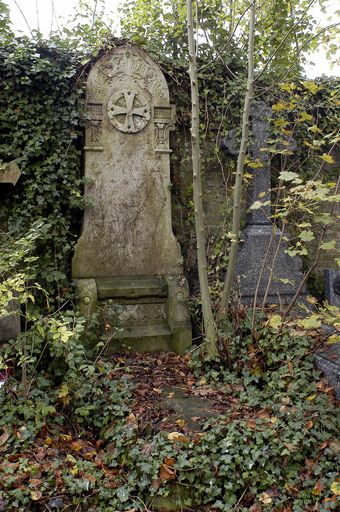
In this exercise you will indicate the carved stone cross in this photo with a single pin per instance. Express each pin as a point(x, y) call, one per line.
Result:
point(135, 111)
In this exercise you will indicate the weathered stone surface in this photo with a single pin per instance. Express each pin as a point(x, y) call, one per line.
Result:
point(328, 361)
point(263, 268)
point(332, 287)
point(260, 257)
point(261, 181)
point(127, 263)
point(127, 231)
point(9, 173)
point(9, 325)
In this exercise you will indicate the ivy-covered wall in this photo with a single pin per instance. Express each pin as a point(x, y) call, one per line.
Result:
point(42, 87)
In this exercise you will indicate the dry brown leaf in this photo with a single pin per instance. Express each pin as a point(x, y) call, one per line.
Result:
point(291, 447)
point(179, 437)
point(255, 508)
point(4, 438)
point(318, 488)
point(166, 473)
point(169, 461)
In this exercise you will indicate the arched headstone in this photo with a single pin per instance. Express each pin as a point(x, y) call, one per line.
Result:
point(127, 251)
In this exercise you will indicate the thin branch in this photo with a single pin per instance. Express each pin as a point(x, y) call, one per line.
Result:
point(226, 293)
point(25, 19)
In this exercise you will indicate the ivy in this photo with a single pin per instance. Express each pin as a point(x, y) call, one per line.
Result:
point(40, 130)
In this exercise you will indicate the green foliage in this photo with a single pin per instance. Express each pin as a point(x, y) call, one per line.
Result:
point(39, 126)
point(274, 448)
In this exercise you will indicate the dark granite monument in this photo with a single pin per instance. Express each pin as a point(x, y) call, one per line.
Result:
point(263, 269)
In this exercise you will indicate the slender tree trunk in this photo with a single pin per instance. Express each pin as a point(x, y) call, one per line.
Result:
point(226, 293)
point(208, 317)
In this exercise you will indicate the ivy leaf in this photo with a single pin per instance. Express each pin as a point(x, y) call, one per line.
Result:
point(275, 321)
point(288, 176)
point(306, 236)
point(312, 322)
point(327, 246)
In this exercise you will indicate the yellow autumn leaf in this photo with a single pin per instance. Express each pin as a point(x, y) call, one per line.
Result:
point(311, 86)
point(281, 105)
point(287, 87)
point(327, 158)
point(304, 116)
point(311, 397)
point(335, 487)
point(65, 437)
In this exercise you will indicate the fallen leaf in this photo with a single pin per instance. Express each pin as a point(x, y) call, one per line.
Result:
point(167, 473)
point(180, 423)
point(178, 436)
point(36, 495)
point(4, 438)
point(35, 482)
point(265, 498)
point(318, 488)
point(309, 424)
point(65, 437)
point(291, 447)
point(77, 445)
point(169, 461)
point(335, 487)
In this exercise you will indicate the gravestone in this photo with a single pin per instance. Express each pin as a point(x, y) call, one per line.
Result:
point(127, 260)
point(332, 286)
point(10, 324)
point(262, 261)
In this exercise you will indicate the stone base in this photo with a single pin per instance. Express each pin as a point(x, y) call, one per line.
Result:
point(144, 314)
point(328, 361)
point(257, 239)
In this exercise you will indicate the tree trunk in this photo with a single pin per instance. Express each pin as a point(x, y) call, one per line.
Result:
point(226, 293)
point(208, 317)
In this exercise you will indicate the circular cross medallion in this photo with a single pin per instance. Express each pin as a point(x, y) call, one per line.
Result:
point(128, 110)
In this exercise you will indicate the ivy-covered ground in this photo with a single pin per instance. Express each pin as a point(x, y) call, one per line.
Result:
point(106, 438)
